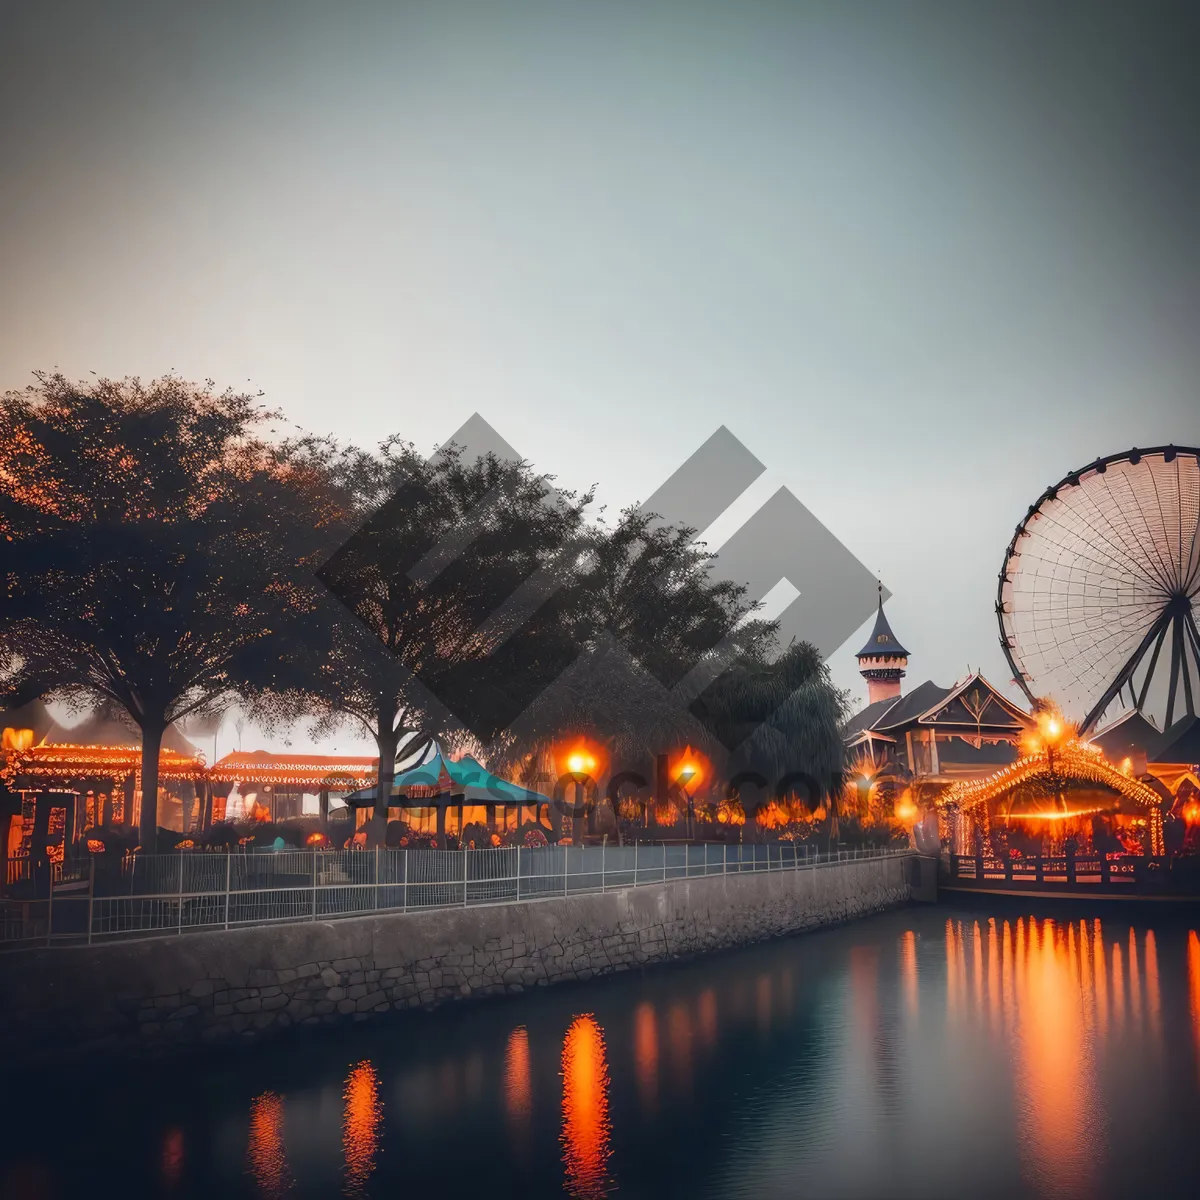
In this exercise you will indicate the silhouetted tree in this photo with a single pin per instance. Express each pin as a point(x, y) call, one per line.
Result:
point(447, 606)
point(155, 550)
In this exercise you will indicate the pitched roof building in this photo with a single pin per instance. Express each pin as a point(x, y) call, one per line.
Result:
point(935, 733)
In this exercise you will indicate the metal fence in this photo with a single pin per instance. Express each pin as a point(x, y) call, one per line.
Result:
point(157, 895)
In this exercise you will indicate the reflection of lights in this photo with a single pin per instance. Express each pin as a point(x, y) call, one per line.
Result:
point(172, 1160)
point(1193, 957)
point(645, 1054)
point(360, 1126)
point(1135, 983)
point(586, 1130)
point(1153, 996)
point(268, 1159)
point(518, 1096)
point(1056, 1067)
point(1118, 982)
point(1101, 967)
point(707, 1013)
point(908, 970)
point(762, 1002)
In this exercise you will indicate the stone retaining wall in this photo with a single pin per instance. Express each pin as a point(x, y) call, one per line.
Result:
point(156, 994)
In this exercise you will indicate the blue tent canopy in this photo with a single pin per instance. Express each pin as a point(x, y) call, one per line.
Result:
point(440, 778)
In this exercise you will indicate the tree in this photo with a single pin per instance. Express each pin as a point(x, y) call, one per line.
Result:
point(446, 607)
point(781, 717)
point(155, 550)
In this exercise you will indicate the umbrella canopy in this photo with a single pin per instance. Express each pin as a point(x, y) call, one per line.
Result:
point(441, 776)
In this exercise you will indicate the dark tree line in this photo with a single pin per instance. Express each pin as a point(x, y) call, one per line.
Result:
point(164, 554)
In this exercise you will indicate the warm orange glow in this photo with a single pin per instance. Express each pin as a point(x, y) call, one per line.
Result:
point(586, 1130)
point(645, 1055)
point(1056, 1092)
point(268, 1159)
point(518, 1092)
point(689, 768)
point(1191, 812)
point(679, 1038)
point(316, 839)
point(1193, 960)
point(731, 812)
point(906, 811)
point(580, 756)
point(1153, 994)
point(360, 1126)
point(908, 971)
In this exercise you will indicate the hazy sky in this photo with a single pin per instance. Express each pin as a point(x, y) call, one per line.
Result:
point(922, 259)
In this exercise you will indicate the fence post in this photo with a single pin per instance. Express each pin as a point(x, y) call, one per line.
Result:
point(314, 884)
point(463, 852)
point(603, 855)
point(179, 912)
point(635, 846)
point(405, 901)
point(518, 870)
point(228, 870)
point(376, 878)
point(566, 867)
point(91, 895)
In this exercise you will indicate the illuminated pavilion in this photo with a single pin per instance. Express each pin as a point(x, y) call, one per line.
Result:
point(1061, 796)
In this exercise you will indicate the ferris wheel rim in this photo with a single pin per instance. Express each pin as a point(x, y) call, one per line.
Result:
point(1169, 453)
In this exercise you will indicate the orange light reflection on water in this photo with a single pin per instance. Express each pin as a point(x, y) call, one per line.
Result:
point(645, 1055)
point(1055, 1079)
point(518, 1093)
point(706, 1013)
point(1193, 957)
point(268, 1159)
point(586, 1130)
point(908, 971)
point(360, 1126)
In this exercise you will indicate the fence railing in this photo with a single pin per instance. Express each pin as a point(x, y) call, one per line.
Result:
point(1161, 875)
point(183, 893)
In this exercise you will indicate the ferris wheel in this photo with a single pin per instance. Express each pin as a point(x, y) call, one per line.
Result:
point(1099, 595)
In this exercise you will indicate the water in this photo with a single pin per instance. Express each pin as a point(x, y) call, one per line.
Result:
point(933, 1052)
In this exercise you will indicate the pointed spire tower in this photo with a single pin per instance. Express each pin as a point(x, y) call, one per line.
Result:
point(882, 660)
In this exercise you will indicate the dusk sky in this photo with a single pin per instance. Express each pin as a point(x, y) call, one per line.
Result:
point(922, 259)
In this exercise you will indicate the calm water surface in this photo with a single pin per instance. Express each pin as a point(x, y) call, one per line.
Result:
point(934, 1052)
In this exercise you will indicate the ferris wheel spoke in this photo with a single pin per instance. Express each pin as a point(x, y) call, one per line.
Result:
point(1158, 645)
point(1131, 553)
point(1170, 570)
point(1129, 567)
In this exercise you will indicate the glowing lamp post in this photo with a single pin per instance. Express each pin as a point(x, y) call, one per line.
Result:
point(686, 774)
point(582, 765)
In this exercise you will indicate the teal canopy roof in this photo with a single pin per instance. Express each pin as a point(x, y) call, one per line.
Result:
point(441, 776)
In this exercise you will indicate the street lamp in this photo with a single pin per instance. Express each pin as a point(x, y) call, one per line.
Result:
point(686, 774)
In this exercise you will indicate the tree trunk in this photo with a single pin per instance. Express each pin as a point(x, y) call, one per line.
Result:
point(323, 809)
point(152, 736)
point(386, 741)
point(206, 806)
point(441, 823)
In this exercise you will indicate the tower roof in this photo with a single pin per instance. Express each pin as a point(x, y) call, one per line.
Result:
point(882, 643)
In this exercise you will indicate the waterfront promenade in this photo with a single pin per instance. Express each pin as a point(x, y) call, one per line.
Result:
point(172, 992)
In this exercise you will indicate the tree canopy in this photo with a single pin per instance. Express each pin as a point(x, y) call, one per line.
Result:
point(155, 550)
